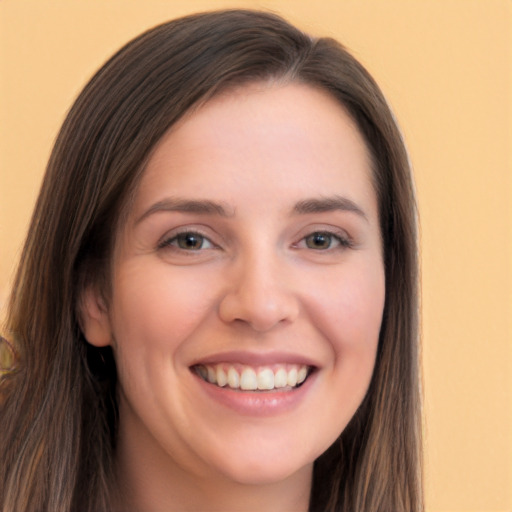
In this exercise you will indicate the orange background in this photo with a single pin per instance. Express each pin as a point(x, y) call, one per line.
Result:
point(446, 67)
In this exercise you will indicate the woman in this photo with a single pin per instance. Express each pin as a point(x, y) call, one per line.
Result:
point(216, 306)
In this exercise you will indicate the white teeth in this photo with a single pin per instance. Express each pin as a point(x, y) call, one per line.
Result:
point(301, 375)
point(233, 378)
point(248, 380)
point(222, 378)
point(212, 377)
point(280, 378)
point(251, 379)
point(292, 377)
point(266, 379)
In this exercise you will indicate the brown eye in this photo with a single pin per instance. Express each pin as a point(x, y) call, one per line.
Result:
point(320, 240)
point(190, 241)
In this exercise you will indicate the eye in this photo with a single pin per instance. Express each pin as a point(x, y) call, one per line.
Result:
point(324, 240)
point(187, 241)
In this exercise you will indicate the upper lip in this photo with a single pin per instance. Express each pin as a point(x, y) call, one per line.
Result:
point(251, 358)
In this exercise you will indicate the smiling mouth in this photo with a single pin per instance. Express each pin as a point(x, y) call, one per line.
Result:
point(284, 377)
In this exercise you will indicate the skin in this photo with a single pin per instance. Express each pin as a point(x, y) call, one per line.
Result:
point(257, 282)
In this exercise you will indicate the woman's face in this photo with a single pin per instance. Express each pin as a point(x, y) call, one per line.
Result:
point(248, 288)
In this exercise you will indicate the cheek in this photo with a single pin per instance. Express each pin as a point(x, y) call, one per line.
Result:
point(157, 308)
point(348, 311)
point(154, 315)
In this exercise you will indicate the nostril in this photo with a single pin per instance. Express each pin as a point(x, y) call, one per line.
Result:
point(262, 310)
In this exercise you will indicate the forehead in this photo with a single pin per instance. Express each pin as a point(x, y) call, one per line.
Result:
point(265, 134)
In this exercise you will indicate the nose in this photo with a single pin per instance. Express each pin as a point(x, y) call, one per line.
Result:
point(259, 295)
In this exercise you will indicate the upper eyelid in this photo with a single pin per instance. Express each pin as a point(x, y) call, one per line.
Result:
point(326, 228)
point(173, 234)
point(342, 239)
point(194, 228)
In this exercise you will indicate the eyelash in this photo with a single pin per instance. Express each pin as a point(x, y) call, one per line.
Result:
point(343, 242)
point(167, 243)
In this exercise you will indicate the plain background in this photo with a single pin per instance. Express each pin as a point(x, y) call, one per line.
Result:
point(446, 68)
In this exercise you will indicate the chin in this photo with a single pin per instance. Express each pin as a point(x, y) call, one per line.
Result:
point(263, 476)
point(264, 470)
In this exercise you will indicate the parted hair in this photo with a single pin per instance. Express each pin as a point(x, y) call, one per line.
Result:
point(58, 402)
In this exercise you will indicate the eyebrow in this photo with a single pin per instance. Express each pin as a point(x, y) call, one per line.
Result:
point(207, 207)
point(328, 204)
point(199, 206)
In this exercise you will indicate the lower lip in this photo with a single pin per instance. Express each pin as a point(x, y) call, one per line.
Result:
point(254, 403)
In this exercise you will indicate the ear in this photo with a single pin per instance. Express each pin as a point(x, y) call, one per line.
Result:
point(94, 318)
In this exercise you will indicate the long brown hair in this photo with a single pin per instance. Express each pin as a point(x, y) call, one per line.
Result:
point(58, 407)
